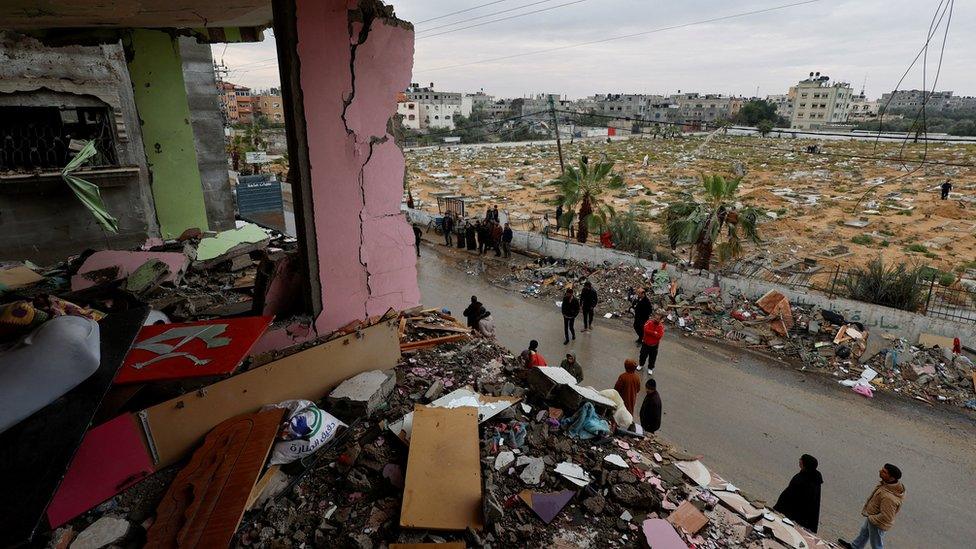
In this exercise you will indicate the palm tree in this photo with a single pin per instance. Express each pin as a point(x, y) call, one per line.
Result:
point(583, 185)
point(689, 221)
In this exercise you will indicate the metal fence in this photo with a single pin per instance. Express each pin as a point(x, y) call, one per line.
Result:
point(935, 300)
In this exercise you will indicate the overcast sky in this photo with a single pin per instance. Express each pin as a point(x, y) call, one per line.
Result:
point(845, 39)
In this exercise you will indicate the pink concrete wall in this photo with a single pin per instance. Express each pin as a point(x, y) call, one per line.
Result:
point(365, 247)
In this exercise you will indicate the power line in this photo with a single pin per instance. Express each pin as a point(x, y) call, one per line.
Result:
point(632, 35)
point(459, 11)
point(504, 18)
point(516, 8)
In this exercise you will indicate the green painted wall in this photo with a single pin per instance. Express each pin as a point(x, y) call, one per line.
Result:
point(156, 71)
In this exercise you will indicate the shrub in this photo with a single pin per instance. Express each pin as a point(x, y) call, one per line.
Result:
point(916, 248)
point(896, 286)
point(863, 239)
point(628, 235)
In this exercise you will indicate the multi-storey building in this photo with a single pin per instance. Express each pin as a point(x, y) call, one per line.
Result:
point(783, 103)
point(270, 107)
point(237, 104)
point(437, 109)
point(820, 102)
point(709, 107)
point(410, 110)
point(862, 108)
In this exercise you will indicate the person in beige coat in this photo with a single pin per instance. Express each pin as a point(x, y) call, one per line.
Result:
point(880, 509)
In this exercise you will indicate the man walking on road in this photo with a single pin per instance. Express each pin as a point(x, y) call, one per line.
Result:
point(653, 332)
point(650, 412)
point(642, 312)
point(571, 309)
point(448, 228)
point(588, 300)
point(507, 236)
point(800, 501)
point(880, 510)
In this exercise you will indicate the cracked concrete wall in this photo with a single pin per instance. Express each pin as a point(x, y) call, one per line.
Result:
point(355, 57)
point(48, 223)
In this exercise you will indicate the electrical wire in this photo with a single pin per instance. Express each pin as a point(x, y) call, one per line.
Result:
point(459, 11)
point(503, 19)
point(624, 36)
point(461, 21)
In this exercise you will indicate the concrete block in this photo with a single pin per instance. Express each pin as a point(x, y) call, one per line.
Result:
point(361, 395)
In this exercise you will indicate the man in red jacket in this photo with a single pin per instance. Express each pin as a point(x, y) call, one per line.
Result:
point(653, 332)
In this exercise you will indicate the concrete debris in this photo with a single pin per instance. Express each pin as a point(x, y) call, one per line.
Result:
point(362, 394)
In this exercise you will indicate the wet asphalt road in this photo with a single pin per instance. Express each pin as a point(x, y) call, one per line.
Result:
point(752, 417)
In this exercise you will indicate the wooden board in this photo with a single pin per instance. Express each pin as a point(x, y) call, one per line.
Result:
point(191, 349)
point(931, 340)
point(112, 457)
point(174, 427)
point(442, 490)
point(206, 500)
point(35, 453)
point(688, 518)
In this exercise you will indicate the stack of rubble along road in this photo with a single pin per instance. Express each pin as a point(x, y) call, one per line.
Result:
point(450, 442)
point(817, 340)
point(538, 484)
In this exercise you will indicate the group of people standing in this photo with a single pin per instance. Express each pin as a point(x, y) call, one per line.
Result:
point(572, 306)
point(479, 235)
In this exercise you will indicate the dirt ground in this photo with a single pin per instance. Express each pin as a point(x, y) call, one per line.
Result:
point(838, 207)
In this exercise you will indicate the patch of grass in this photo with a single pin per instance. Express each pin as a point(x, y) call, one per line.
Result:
point(863, 240)
point(886, 285)
point(886, 232)
point(916, 248)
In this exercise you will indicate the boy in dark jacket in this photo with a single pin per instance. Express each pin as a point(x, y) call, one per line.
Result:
point(800, 501)
point(588, 300)
point(571, 309)
point(650, 412)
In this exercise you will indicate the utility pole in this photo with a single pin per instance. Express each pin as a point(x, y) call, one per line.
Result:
point(555, 125)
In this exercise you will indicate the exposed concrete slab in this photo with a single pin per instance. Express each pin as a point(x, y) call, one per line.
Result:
point(360, 395)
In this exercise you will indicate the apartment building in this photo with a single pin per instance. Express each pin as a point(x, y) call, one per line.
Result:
point(863, 109)
point(237, 103)
point(820, 102)
point(697, 107)
point(783, 103)
point(269, 106)
point(410, 111)
point(436, 109)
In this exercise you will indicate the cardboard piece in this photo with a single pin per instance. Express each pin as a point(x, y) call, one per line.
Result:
point(205, 502)
point(18, 277)
point(110, 265)
point(660, 534)
point(442, 490)
point(546, 505)
point(177, 425)
point(191, 349)
point(33, 471)
point(488, 407)
point(777, 306)
point(688, 518)
point(112, 457)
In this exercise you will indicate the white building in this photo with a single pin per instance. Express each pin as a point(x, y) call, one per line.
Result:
point(472, 102)
point(410, 110)
point(819, 102)
point(436, 109)
point(863, 108)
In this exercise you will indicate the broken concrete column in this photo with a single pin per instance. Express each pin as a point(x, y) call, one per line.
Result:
point(361, 395)
point(344, 67)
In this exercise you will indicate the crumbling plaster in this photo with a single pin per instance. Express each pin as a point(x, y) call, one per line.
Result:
point(355, 57)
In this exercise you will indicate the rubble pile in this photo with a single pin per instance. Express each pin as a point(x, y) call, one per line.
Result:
point(553, 467)
point(815, 340)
